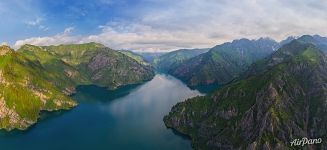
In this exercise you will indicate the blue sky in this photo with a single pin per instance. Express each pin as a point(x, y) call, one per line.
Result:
point(154, 25)
point(26, 18)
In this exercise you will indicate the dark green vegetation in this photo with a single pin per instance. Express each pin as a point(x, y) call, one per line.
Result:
point(172, 60)
point(224, 62)
point(282, 98)
point(41, 78)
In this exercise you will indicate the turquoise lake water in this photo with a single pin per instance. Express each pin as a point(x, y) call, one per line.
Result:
point(129, 118)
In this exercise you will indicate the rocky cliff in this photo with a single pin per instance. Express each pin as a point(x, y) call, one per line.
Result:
point(282, 100)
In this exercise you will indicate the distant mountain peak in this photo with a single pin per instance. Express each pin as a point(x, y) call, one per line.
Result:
point(287, 40)
point(31, 47)
point(90, 44)
point(315, 39)
point(306, 37)
point(95, 44)
point(265, 39)
point(224, 62)
point(242, 40)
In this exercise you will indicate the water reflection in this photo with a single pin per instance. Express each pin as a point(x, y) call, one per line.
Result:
point(157, 97)
point(93, 93)
point(206, 89)
point(128, 118)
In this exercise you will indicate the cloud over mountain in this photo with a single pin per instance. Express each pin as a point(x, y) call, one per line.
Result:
point(167, 24)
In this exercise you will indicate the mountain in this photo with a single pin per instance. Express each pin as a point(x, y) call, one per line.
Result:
point(101, 65)
point(287, 40)
point(223, 62)
point(150, 56)
point(173, 59)
point(135, 56)
point(282, 100)
point(320, 42)
point(267, 63)
point(62, 75)
point(25, 91)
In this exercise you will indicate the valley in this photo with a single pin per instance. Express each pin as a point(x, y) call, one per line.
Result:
point(163, 75)
point(259, 90)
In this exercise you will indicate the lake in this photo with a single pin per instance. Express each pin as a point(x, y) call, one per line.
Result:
point(128, 118)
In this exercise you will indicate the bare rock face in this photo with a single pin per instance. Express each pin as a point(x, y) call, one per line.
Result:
point(69, 90)
point(11, 116)
point(4, 50)
point(111, 69)
point(100, 61)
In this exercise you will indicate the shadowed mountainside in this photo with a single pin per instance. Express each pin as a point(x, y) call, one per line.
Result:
point(282, 99)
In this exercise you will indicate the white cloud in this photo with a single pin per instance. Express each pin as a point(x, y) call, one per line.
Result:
point(4, 43)
point(68, 30)
point(61, 38)
point(124, 36)
point(170, 24)
point(37, 23)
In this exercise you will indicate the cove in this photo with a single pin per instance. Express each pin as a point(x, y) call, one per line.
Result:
point(128, 118)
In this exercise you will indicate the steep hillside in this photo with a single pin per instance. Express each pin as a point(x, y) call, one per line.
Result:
point(151, 56)
point(25, 91)
point(62, 75)
point(283, 100)
point(224, 62)
point(173, 59)
point(102, 66)
point(135, 56)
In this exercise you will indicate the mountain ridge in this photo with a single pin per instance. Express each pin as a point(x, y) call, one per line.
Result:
point(286, 102)
point(222, 63)
point(103, 66)
point(173, 59)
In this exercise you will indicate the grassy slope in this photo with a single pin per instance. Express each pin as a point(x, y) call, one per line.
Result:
point(61, 74)
point(134, 56)
point(25, 91)
point(75, 54)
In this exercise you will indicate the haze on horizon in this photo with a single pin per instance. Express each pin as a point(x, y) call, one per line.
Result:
point(157, 25)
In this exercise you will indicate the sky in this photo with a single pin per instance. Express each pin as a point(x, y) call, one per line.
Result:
point(157, 25)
